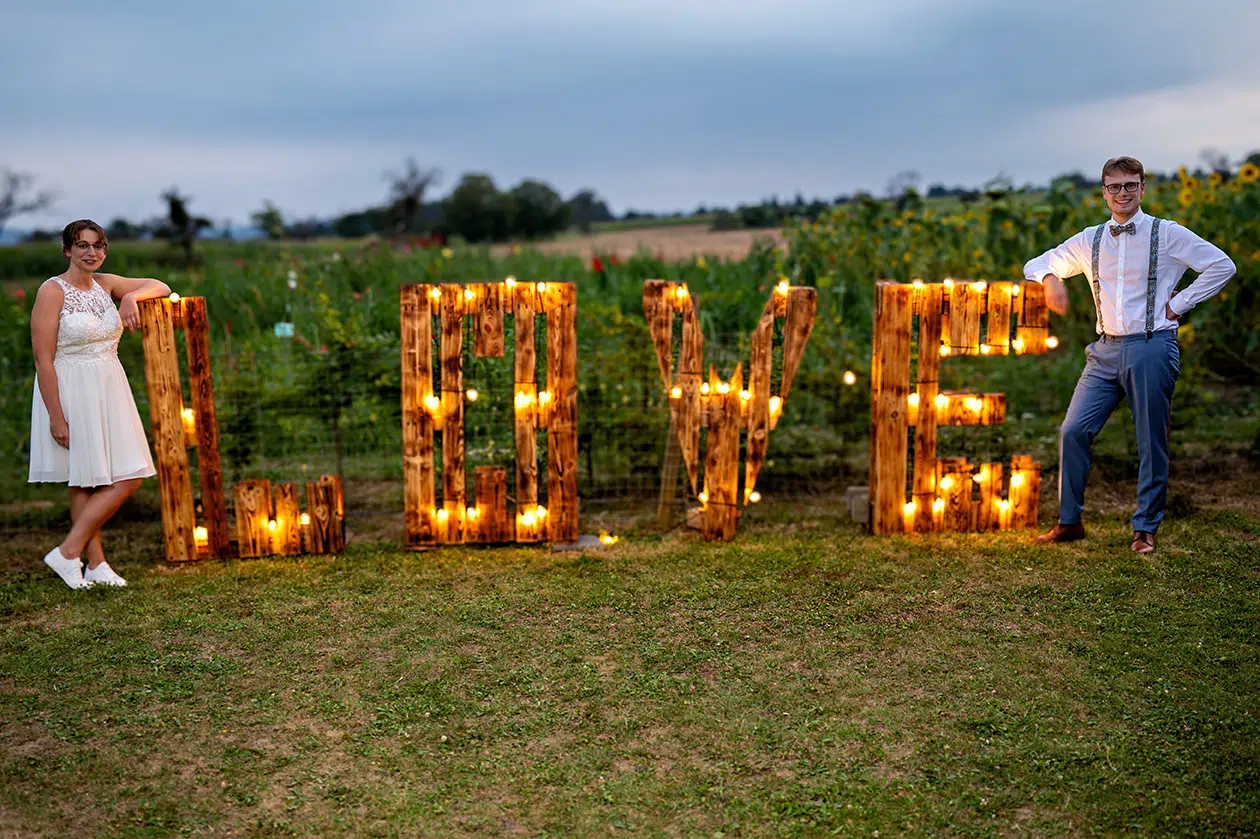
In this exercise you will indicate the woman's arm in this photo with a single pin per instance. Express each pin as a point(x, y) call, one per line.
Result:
point(130, 291)
point(45, 320)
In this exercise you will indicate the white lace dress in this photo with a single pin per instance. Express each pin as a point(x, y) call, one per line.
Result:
point(107, 439)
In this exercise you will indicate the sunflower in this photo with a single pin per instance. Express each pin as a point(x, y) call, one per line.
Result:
point(1186, 197)
point(1214, 180)
point(1182, 174)
point(1191, 183)
point(1249, 173)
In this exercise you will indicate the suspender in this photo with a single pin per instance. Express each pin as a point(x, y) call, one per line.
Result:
point(1150, 277)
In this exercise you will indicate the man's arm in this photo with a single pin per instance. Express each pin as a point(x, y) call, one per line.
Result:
point(1057, 264)
point(1193, 251)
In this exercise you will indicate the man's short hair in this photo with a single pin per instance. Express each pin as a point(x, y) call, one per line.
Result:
point(1124, 165)
point(70, 234)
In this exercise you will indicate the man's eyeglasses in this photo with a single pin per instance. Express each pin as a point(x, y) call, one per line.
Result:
point(84, 247)
point(1127, 186)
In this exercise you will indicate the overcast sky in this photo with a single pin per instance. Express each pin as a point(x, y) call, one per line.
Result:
point(656, 104)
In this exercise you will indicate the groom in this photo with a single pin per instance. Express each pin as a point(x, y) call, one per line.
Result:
point(1133, 264)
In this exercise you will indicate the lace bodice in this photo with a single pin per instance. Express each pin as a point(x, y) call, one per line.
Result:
point(89, 327)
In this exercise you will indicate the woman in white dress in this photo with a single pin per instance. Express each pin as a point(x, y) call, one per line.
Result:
point(85, 429)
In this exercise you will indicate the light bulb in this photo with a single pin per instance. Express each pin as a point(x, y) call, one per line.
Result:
point(1017, 479)
point(776, 404)
point(754, 496)
point(938, 505)
point(948, 283)
point(510, 282)
point(974, 403)
point(942, 401)
point(945, 350)
point(305, 519)
point(946, 483)
point(850, 378)
point(782, 287)
point(522, 400)
point(1018, 345)
point(978, 287)
point(681, 292)
point(174, 298)
point(542, 288)
point(541, 512)
point(724, 388)
point(704, 388)
point(472, 394)
point(443, 515)
point(544, 397)
point(675, 393)
point(472, 513)
point(745, 395)
point(1014, 290)
point(271, 525)
point(432, 403)
point(469, 294)
point(704, 497)
point(435, 293)
point(917, 283)
point(913, 399)
point(908, 508)
point(985, 349)
point(1052, 342)
point(528, 519)
point(201, 534)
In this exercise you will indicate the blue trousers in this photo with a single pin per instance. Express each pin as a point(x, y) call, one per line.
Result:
point(1122, 367)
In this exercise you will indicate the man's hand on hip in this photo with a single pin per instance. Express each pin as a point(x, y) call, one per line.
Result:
point(1056, 294)
point(1168, 309)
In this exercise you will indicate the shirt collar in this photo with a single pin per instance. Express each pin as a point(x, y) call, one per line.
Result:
point(1138, 218)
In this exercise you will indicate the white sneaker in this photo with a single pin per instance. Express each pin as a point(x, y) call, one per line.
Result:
point(69, 570)
point(103, 575)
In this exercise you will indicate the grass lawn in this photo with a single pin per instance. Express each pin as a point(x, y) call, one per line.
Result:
point(806, 680)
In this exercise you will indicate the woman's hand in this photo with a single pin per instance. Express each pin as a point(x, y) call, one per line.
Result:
point(60, 431)
point(129, 312)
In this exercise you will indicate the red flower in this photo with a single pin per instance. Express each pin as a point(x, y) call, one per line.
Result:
point(357, 295)
point(613, 260)
point(20, 294)
point(240, 263)
point(323, 349)
point(596, 265)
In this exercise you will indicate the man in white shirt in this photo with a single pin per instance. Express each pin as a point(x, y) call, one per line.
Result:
point(1133, 264)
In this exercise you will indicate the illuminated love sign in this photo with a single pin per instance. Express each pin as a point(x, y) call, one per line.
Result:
point(954, 318)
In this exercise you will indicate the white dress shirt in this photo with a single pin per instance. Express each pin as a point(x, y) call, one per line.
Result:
point(1123, 264)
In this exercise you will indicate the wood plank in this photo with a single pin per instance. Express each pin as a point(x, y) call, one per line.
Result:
point(488, 340)
point(721, 469)
point(252, 503)
point(985, 515)
point(1034, 319)
point(658, 308)
point(287, 537)
point(923, 486)
point(562, 421)
point(890, 388)
point(802, 312)
point(998, 325)
point(490, 487)
point(689, 406)
point(321, 512)
point(758, 408)
point(454, 480)
point(416, 339)
point(966, 305)
point(1024, 492)
point(161, 372)
point(209, 466)
point(525, 393)
point(956, 489)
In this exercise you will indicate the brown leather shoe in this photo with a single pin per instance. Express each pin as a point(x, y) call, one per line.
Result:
point(1062, 533)
point(1143, 542)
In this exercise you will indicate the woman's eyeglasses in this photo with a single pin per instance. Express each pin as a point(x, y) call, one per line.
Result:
point(1127, 186)
point(84, 247)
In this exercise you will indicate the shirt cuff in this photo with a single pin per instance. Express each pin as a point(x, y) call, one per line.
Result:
point(1172, 304)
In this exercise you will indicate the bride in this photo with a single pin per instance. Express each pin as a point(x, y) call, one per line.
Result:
point(85, 429)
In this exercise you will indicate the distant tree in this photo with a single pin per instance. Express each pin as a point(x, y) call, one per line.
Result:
point(15, 196)
point(586, 208)
point(120, 229)
point(406, 195)
point(903, 181)
point(539, 210)
point(477, 210)
point(181, 227)
point(362, 223)
point(307, 228)
point(269, 220)
point(1216, 161)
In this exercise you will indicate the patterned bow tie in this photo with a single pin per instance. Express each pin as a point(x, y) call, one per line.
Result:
point(1117, 229)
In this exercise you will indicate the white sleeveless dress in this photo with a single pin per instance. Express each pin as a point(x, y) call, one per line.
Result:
point(107, 439)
